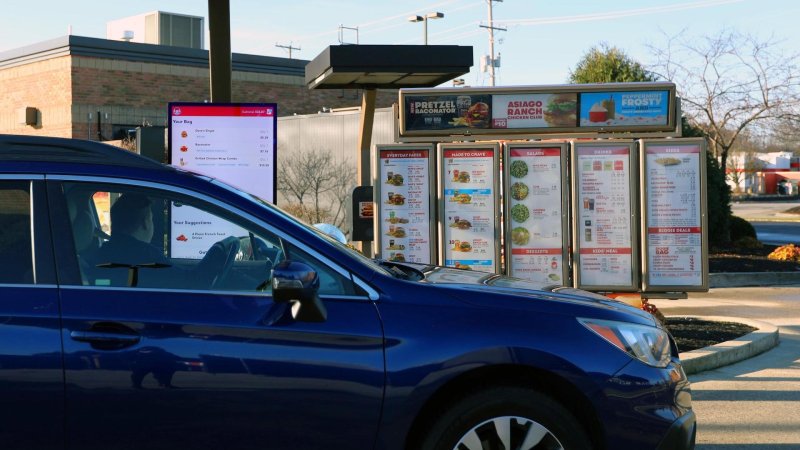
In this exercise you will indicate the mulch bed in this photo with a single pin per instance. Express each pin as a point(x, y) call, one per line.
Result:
point(691, 334)
point(747, 260)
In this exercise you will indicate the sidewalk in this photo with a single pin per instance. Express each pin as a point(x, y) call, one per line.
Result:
point(752, 404)
point(756, 211)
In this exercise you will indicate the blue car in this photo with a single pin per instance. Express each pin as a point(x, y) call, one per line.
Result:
point(145, 307)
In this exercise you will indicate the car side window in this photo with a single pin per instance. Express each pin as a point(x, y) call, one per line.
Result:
point(128, 236)
point(16, 261)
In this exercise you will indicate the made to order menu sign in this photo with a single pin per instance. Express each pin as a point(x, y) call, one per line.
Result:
point(536, 212)
point(234, 143)
point(604, 194)
point(468, 206)
point(404, 225)
point(675, 214)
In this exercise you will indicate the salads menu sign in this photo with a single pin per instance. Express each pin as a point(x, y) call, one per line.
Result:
point(535, 181)
point(468, 208)
point(404, 227)
point(580, 108)
point(675, 248)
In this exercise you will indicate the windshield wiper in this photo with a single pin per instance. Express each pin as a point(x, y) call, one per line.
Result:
point(401, 271)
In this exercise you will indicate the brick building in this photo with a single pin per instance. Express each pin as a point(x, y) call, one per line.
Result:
point(57, 87)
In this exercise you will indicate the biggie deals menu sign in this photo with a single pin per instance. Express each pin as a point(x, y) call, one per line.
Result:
point(468, 216)
point(603, 208)
point(674, 215)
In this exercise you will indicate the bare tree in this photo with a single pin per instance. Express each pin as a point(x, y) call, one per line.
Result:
point(317, 186)
point(730, 82)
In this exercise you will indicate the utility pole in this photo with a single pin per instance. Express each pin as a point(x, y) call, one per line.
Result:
point(288, 47)
point(491, 29)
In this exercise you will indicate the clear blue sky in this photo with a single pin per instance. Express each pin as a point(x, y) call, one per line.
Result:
point(545, 39)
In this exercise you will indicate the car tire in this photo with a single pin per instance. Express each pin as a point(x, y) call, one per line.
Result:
point(516, 417)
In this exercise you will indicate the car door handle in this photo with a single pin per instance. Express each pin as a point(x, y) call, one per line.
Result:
point(105, 338)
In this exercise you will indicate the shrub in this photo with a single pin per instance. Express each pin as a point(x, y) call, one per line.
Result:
point(740, 229)
point(747, 242)
point(786, 253)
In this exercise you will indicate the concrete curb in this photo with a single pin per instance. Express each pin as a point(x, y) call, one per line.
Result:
point(744, 279)
point(726, 353)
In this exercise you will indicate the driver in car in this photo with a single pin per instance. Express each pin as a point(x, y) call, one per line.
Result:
point(132, 231)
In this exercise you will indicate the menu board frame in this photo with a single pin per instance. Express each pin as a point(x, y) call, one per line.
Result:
point(380, 206)
point(578, 219)
point(435, 113)
point(508, 182)
point(444, 227)
point(647, 283)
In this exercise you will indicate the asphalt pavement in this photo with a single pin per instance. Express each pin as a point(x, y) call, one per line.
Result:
point(753, 404)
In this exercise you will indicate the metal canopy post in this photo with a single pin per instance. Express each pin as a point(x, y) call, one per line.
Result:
point(219, 53)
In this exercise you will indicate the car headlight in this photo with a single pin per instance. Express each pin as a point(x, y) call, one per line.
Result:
point(649, 345)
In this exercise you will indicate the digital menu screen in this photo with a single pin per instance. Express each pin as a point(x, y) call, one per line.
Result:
point(234, 143)
point(674, 220)
point(405, 222)
point(603, 215)
point(624, 109)
point(535, 234)
point(535, 111)
point(468, 216)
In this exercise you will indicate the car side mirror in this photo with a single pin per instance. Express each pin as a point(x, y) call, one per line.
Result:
point(297, 283)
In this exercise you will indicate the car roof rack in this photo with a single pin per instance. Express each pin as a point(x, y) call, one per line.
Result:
point(64, 150)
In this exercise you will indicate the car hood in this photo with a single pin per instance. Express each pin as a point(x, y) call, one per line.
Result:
point(481, 283)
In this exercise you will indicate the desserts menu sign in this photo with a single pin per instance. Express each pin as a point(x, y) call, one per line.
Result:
point(674, 214)
point(535, 218)
point(404, 225)
point(468, 210)
point(602, 208)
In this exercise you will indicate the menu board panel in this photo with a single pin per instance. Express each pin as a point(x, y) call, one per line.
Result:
point(235, 143)
point(624, 109)
point(535, 110)
point(445, 112)
point(602, 209)
point(674, 211)
point(404, 227)
point(468, 216)
point(536, 223)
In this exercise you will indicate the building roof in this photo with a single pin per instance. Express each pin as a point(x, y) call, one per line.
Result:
point(149, 53)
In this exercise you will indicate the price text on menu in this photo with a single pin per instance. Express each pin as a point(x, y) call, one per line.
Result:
point(604, 216)
point(405, 207)
point(469, 209)
point(534, 190)
point(674, 218)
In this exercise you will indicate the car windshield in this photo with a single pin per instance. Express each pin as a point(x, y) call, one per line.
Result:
point(372, 264)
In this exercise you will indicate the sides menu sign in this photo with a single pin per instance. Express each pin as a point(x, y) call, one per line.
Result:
point(674, 207)
point(404, 226)
point(468, 206)
point(235, 143)
point(604, 196)
point(536, 221)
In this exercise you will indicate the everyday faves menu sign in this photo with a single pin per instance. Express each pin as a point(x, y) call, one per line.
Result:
point(673, 176)
point(405, 211)
point(468, 210)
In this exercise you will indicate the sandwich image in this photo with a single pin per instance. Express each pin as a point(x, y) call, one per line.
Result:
point(562, 110)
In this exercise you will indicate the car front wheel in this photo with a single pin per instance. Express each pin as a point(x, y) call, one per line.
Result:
point(510, 418)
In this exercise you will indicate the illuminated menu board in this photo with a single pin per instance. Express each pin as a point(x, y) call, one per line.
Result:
point(536, 222)
point(468, 207)
point(234, 143)
point(604, 196)
point(675, 255)
point(405, 224)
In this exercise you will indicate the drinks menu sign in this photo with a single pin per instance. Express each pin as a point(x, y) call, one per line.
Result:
point(404, 227)
point(468, 216)
point(602, 209)
point(536, 220)
point(674, 214)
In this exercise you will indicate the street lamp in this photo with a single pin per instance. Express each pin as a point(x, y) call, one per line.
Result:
point(424, 20)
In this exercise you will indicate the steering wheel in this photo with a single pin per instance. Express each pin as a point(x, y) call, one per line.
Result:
point(217, 262)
